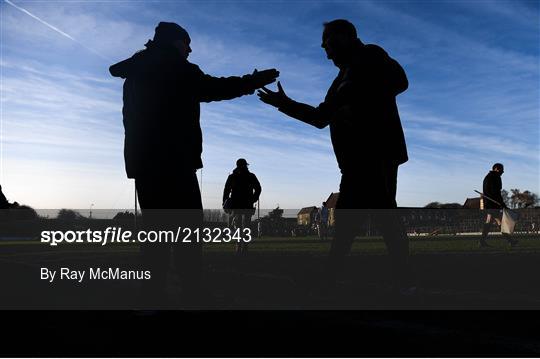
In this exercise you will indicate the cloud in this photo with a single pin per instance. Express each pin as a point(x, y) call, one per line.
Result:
point(472, 99)
point(40, 20)
point(518, 12)
point(480, 143)
point(57, 30)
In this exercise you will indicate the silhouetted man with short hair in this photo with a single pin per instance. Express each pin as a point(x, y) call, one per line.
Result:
point(493, 203)
point(163, 139)
point(243, 189)
point(366, 133)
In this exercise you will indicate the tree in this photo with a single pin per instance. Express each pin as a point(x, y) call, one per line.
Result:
point(443, 205)
point(506, 197)
point(523, 199)
point(24, 212)
point(451, 205)
point(124, 216)
point(528, 199)
point(514, 198)
point(275, 214)
point(68, 215)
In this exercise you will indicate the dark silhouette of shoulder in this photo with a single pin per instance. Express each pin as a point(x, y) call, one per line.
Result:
point(380, 70)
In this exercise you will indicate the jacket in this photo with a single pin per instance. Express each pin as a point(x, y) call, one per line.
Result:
point(243, 188)
point(161, 113)
point(360, 107)
point(492, 187)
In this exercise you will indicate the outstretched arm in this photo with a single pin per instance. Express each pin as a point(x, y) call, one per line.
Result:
point(212, 88)
point(315, 116)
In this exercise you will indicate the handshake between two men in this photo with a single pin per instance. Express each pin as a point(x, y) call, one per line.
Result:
point(163, 144)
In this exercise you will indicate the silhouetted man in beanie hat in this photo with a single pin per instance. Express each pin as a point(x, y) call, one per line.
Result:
point(163, 140)
point(167, 32)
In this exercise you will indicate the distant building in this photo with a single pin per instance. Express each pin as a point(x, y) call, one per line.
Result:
point(275, 225)
point(306, 216)
point(474, 203)
point(331, 204)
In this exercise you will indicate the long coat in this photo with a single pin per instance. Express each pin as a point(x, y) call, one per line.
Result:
point(492, 187)
point(162, 95)
point(361, 109)
point(243, 188)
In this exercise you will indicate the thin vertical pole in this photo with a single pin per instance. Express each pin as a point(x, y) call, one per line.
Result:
point(136, 211)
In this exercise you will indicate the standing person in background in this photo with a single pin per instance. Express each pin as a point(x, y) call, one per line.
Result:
point(242, 189)
point(493, 203)
point(323, 221)
point(259, 228)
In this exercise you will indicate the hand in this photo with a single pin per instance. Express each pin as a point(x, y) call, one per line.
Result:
point(263, 78)
point(276, 99)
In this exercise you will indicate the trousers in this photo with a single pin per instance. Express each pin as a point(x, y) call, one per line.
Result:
point(370, 196)
point(167, 202)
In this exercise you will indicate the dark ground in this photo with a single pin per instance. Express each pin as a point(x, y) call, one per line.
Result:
point(286, 276)
point(271, 333)
point(449, 316)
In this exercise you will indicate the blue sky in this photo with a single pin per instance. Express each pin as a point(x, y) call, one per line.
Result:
point(473, 100)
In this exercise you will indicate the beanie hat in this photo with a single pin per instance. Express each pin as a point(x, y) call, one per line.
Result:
point(167, 32)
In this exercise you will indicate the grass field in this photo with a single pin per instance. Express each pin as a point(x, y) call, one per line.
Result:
point(285, 273)
point(375, 245)
point(529, 243)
